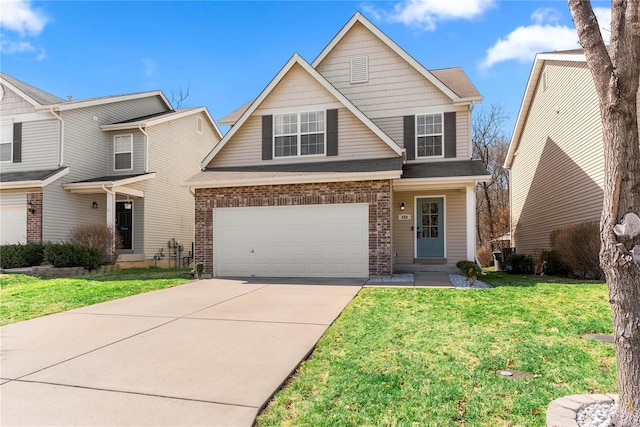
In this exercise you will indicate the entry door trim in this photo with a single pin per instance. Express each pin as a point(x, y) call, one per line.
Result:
point(415, 221)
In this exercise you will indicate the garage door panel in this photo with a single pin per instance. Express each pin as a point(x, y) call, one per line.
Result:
point(13, 223)
point(297, 241)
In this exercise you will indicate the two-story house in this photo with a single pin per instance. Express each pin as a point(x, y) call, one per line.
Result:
point(556, 157)
point(116, 160)
point(357, 164)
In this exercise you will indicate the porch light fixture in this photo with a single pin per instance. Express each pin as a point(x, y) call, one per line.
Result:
point(402, 206)
point(94, 204)
point(31, 208)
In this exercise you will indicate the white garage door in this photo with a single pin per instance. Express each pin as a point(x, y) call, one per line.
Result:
point(13, 219)
point(292, 241)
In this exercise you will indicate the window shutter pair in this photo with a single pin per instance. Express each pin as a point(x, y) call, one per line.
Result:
point(449, 135)
point(331, 130)
point(17, 142)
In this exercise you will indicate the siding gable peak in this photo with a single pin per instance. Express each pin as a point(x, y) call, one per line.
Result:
point(297, 60)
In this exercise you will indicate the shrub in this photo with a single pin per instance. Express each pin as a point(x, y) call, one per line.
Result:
point(18, 256)
point(97, 235)
point(579, 249)
point(485, 256)
point(72, 255)
point(469, 269)
point(555, 266)
point(519, 264)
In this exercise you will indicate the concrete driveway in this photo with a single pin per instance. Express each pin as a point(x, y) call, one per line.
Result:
point(208, 353)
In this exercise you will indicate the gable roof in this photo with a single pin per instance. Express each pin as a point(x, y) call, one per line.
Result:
point(297, 59)
point(233, 116)
point(31, 94)
point(575, 55)
point(90, 102)
point(155, 119)
point(457, 81)
point(358, 18)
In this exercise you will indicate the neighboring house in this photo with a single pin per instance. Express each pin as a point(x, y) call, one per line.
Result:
point(358, 164)
point(556, 153)
point(116, 160)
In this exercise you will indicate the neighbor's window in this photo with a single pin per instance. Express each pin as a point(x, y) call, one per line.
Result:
point(123, 152)
point(299, 134)
point(429, 135)
point(6, 142)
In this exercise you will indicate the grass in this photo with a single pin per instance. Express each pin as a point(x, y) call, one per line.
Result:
point(24, 297)
point(430, 357)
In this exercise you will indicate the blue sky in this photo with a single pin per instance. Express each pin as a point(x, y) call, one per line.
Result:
point(227, 52)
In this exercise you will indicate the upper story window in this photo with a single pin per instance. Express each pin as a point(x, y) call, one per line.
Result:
point(123, 152)
point(429, 135)
point(299, 134)
point(6, 142)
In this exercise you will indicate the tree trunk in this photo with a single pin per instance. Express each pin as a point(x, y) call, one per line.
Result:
point(616, 73)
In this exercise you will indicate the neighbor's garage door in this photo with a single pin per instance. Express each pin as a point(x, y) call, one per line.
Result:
point(13, 219)
point(292, 241)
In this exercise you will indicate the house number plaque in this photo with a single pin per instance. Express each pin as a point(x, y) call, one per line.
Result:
point(404, 217)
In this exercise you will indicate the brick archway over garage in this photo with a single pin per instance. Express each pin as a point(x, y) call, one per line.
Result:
point(376, 193)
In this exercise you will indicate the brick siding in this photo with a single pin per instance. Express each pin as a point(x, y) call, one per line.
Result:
point(34, 220)
point(376, 193)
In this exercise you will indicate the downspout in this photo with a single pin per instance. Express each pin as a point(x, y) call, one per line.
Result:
point(59, 117)
point(146, 149)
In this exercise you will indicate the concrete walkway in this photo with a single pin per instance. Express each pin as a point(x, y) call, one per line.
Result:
point(208, 353)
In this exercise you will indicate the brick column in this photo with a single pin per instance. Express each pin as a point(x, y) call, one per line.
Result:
point(34, 220)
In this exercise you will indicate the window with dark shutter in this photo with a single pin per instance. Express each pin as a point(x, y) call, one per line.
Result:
point(450, 134)
point(17, 142)
point(410, 136)
point(267, 137)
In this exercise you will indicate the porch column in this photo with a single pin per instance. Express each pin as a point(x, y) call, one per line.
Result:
point(111, 209)
point(471, 222)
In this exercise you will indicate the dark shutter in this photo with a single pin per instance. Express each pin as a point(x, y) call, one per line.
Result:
point(17, 142)
point(450, 134)
point(410, 136)
point(267, 137)
point(332, 132)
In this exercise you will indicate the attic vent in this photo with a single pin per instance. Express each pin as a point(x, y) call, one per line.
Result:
point(199, 124)
point(359, 69)
point(545, 80)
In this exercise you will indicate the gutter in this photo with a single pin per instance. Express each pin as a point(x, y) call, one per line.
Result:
point(59, 117)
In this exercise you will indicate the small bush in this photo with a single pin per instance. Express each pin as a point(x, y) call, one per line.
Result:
point(485, 256)
point(554, 265)
point(18, 256)
point(72, 255)
point(469, 269)
point(99, 236)
point(579, 249)
point(520, 264)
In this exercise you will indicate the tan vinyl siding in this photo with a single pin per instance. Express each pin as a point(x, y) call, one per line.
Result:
point(557, 174)
point(175, 152)
point(297, 89)
point(138, 158)
point(40, 145)
point(13, 103)
point(85, 153)
point(355, 141)
point(393, 83)
point(455, 223)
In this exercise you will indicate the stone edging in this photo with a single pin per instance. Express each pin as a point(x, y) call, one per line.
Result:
point(562, 412)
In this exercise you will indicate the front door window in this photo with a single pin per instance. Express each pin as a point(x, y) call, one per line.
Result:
point(430, 228)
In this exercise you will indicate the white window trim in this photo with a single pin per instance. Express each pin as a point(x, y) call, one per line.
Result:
point(298, 135)
point(130, 135)
point(441, 156)
point(199, 125)
point(8, 123)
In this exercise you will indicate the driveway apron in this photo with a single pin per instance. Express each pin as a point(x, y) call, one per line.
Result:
point(208, 353)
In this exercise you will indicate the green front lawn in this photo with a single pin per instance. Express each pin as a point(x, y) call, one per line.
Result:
point(430, 357)
point(24, 297)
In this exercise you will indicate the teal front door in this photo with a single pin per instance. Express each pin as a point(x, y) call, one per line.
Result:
point(430, 228)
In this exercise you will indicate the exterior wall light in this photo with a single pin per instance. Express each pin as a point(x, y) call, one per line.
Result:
point(94, 204)
point(402, 206)
point(31, 208)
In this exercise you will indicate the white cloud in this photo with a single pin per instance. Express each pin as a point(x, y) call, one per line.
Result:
point(20, 17)
point(425, 14)
point(10, 46)
point(544, 35)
